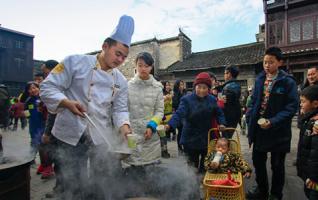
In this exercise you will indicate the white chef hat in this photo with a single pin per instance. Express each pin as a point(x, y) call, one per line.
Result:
point(124, 30)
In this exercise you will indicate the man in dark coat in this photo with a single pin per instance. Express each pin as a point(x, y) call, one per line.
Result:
point(274, 99)
point(231, 95)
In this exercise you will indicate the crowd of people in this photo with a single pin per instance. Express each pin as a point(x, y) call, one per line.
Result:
point(83, 156)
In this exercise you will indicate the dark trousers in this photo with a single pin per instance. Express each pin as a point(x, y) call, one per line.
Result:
point(311, 194)
point(278, 170)
point(22, 121)
point(168, 133)
point(179, 128)
point(196, 157)
point(89, 171)
point(229, 134)
point(73, 166)
point(163, 144)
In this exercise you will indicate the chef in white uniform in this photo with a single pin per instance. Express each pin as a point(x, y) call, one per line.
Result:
point(91, 84)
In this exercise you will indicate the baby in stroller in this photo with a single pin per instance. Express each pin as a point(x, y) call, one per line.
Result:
point(222, 160)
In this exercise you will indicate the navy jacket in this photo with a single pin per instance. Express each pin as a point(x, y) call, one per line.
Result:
point(282, 105)
point(232, 107)
point(196, 113)
point(307, 158)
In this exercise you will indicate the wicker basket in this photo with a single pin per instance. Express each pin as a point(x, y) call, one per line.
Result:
point(223, 192)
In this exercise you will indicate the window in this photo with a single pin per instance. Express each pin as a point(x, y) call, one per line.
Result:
point(303, 29)
point(189, 85)
point(272, 33)
point(294, 31)
point(19, 63)
point(308, 29)
point(3, 43)
point(19, 44)
point(276, 33)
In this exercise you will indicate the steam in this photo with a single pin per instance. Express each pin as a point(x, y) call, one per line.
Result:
point(15, 149)
point(96, 172)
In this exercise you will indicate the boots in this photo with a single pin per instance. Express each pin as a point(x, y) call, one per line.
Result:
point(165, 154)
point(48, 172)
point(40, 169)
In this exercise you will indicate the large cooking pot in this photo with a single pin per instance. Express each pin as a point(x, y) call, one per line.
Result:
point(15, 168)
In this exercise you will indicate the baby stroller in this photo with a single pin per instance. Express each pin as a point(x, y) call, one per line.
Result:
point(224, 192)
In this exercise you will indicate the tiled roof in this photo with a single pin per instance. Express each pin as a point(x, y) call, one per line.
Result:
point(16, 32)
point(236, 55)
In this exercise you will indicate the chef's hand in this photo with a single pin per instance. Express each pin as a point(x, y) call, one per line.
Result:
point(148, 133)
point(45, 139)
point(124, 131)
point(74, 106)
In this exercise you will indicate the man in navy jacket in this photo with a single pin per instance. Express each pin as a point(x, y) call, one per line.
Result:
point(274, 99)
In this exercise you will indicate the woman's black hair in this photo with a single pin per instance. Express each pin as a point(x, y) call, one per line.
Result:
point(176, 86)
point(164, 83)
point(145, 56)
point(25, 95)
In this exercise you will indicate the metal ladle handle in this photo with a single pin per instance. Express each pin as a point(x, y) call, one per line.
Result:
point(97, 130)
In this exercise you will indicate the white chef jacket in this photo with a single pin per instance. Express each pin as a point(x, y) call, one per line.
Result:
point(103, 94)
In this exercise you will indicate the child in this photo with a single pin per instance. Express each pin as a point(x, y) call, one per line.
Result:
point(167, 98)
point(307, 160)
point(228, 161)
point(37, 117)
point(18, 113)
point(196, 112)
point(275, 99)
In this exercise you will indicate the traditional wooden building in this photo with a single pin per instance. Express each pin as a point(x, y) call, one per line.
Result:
point(292, 25)
point(164, 51)
point(16, 59)
point(247, 57)
point(174, 59)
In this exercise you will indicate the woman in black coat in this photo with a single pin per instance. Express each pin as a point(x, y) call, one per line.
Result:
point(178, 92)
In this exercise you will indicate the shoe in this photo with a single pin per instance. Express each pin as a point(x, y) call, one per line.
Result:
point(165, 154)
point(40, 169)
point(256, 194)
point(48, 172)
